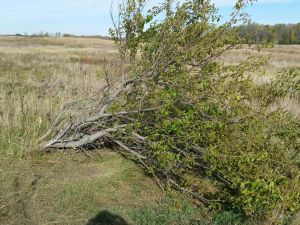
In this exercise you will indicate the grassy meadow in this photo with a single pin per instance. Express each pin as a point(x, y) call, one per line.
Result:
point(37, 77)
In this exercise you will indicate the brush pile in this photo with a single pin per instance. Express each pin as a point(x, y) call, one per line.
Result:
point(185, 116)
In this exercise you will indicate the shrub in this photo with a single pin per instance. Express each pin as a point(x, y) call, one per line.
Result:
point(188, 118)
point(287, 82)
point(204, 126)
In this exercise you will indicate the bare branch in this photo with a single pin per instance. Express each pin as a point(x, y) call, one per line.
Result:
point(128, 149)
point(86, 139)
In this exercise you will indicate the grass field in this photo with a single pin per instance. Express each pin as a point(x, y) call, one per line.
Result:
point(37, 77)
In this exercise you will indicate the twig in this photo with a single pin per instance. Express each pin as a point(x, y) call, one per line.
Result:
point(128, 149)
point(201, 198)
point(156, 178)
point(139, 137)
point(3, 207)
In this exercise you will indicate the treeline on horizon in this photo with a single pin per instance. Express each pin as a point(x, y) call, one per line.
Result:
point(58, 34)
point(279, 33)
point(285, 34)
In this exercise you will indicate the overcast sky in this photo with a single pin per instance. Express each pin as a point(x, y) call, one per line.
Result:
point(92, 16)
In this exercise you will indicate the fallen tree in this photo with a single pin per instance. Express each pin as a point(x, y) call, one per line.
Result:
point(185, 116)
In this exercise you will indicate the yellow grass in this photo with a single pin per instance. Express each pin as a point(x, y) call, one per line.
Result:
point(281, 56)
point(37, 77)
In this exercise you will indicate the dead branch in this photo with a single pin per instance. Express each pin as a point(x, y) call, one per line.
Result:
point(123, 146)
point(193, 194)
point(84, 140)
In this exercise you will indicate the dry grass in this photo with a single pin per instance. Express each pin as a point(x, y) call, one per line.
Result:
point(289, 104)
point(104, 45)
point(281, 56)
point(37, 77)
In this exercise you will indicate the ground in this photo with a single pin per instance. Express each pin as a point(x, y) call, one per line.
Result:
point(37, 77)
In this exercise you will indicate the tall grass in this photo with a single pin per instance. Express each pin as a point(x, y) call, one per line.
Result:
point(37, 77)
point(60, 188)
point(34, 83)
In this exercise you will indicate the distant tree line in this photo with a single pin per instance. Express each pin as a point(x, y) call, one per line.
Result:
point(57, 34)
point(279, 33)
point(257, 33)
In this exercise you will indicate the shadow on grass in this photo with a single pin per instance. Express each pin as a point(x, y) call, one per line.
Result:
point(107, 218)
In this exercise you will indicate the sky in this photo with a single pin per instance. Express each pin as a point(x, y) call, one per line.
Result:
point(91, 17)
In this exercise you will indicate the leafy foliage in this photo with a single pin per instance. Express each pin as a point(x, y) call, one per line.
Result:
point(286, 83)
point(205, 137)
